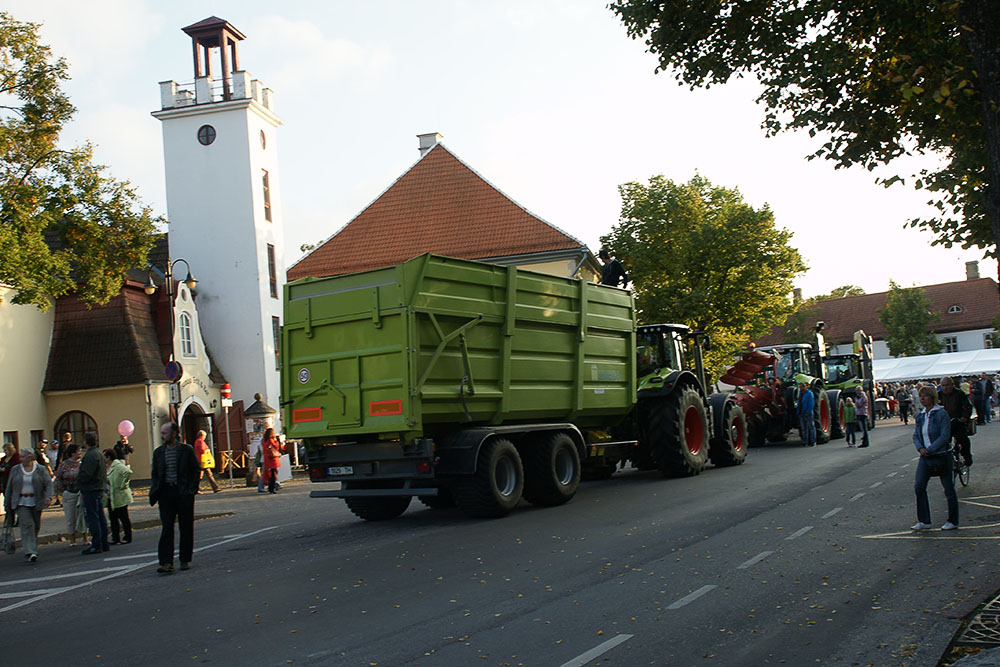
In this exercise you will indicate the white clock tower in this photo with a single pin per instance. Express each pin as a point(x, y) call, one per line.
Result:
point(224, 206)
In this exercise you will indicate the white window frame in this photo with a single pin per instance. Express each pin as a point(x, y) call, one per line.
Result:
point(187, 336)
point(950, 343)
point(988, 340)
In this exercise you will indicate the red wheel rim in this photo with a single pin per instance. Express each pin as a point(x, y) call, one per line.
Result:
point(694, 430)
point(737, 433)
point(824, 415)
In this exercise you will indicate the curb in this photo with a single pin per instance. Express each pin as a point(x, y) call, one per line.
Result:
point(55, 538)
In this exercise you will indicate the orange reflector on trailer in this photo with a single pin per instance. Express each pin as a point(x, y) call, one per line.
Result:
point(307, 415)
point(382, 408)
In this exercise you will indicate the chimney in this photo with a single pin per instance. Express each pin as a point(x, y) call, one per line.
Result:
point(796, 294)
point(972, 270)
point(428, 141)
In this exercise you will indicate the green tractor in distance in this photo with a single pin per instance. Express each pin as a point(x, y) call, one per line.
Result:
point(767, 387)
point(846, 372)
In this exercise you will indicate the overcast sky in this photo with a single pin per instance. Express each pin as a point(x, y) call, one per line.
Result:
point(547, 99)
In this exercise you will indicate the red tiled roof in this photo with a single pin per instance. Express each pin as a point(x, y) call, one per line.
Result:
point(977, 298)
point(442, 206)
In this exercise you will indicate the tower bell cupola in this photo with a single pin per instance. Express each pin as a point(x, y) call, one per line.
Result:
point(216, 33)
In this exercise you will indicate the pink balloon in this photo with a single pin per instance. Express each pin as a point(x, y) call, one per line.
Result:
point(125, 428)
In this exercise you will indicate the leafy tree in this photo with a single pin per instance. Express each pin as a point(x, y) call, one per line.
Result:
point(700, 255)
point(877, 80)
point(64, 225)
point(799, 327)
point(907, 320)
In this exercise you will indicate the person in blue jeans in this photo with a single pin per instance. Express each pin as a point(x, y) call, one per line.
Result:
point(92, 480)
point(807, 426)
point(861, 412)
point(932, 438)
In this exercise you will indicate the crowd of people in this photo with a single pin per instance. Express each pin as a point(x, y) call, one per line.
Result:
point(85, 482)
point(900, 400)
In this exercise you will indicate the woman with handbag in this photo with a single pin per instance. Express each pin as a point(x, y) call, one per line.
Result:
point(205, 462)
point(271, 448)
point(29, 491)
point(932, 438)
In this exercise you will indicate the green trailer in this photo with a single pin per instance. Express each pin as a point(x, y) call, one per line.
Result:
point(457, 381)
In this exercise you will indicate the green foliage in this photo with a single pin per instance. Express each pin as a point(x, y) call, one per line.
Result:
point(699, 255)
point(798, 328)
point(907, 320)
point(64, 225)
point(875, 80)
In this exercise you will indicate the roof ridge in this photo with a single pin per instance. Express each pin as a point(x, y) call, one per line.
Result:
point(365, 208)
point(508, 197)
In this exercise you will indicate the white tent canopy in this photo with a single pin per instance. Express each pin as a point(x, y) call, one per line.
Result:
point(936, 365)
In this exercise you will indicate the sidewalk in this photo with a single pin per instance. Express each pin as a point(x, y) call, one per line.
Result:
point(142, 515)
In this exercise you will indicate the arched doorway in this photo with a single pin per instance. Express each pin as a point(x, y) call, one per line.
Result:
point(194, 419)
point(76, 423)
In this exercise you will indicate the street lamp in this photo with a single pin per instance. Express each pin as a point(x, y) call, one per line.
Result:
point(150, 288)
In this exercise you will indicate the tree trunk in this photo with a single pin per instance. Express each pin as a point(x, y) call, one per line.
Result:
point(983, 43)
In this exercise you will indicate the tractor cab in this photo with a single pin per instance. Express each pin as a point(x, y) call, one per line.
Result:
point(841, 368)
point(794, 361)
point(660, 347)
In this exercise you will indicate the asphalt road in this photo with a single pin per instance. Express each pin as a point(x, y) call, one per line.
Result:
point(800, 556)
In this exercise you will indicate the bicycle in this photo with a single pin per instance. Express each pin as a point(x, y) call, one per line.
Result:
point(959, 469)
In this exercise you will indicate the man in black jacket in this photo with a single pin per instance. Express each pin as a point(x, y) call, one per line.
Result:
point(92, 480)
point(174, 483)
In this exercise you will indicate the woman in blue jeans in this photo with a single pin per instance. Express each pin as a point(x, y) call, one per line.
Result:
point(932, 438)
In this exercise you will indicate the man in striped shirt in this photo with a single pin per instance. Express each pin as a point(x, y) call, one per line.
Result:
point(173, 485)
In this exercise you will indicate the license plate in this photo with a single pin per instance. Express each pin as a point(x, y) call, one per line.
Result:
point(334, 471)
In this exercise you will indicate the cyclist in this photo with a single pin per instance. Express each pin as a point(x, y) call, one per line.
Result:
point(959, 408)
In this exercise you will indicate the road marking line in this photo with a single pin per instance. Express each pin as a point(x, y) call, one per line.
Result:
point(115, 572)
point(62, 576)
point(753, 561)
point(597, 651)
point(831, 512)
point(688, 599)
point(153, 554)
point(799, 533)
point(875, 485)
point(857, 496)
point(915, 458)
point(970, 502)
point(892, 474)
point(26, 594)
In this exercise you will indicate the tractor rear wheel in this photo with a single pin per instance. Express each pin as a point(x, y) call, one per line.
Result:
point(729, 446)
point(677, 431)
point(821, 416)
point(496, 487)
point(551, 470)
point(836, 421)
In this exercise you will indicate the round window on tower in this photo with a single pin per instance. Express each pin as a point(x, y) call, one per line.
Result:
point(206, 135)
point(263, 140)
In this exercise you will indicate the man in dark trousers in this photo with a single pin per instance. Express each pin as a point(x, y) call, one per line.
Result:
point(613, 273)
point(91, 481)
point(959, 409)
point(174, 483)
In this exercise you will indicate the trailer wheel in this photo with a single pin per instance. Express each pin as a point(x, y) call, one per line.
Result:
point(495, 488)
point(821, 416)
point(443, 500)
point(551, 470)
point(729, 446)
point(678, 433)
point(376, 508)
